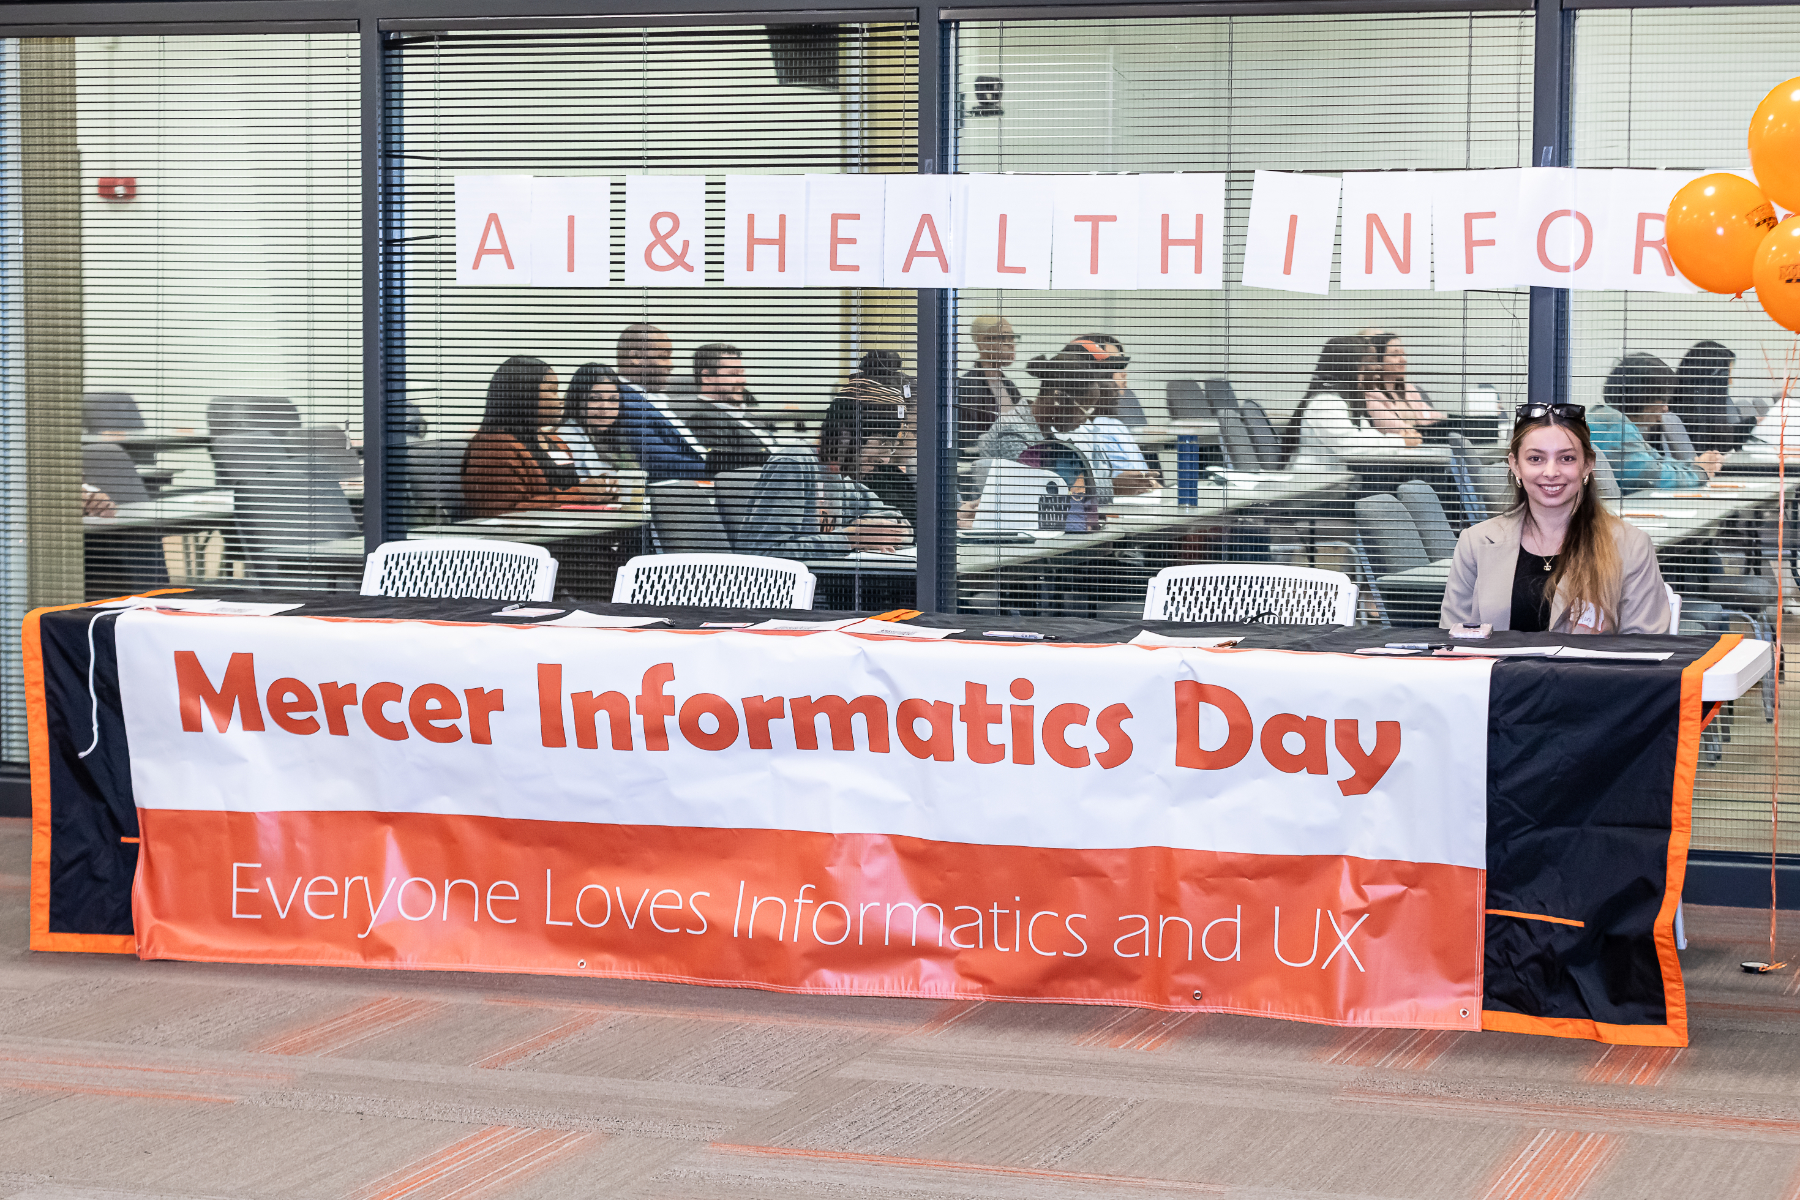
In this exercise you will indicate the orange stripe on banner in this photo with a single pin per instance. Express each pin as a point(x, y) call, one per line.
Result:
point(360, 1024)
point(1636, 1066)
point(1577, 1027)
point(849, 1157)
point(37, 740)
point(1507, 912)
point(1554, 1165)
point(485, 1163)
point(1361, 941)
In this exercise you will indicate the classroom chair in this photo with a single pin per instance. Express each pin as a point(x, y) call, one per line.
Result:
point(1242, 592)
point(460, 568)
point(684, 518)
point(715, 581)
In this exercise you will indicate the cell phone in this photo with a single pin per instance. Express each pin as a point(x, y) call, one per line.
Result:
point(1469, 630)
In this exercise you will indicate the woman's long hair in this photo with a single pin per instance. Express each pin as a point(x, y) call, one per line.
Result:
point(512, 409)
point(1342, 371)
point(1071, 383)
point(1588, 569)
point(1702, 395)
point(606, 439)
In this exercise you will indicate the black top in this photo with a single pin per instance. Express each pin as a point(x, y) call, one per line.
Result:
point(1530, 607)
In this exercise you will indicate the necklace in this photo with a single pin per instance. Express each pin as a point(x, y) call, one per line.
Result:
point(1549, 561)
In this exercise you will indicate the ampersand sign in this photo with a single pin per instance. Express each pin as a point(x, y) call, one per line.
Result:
point(659, 239)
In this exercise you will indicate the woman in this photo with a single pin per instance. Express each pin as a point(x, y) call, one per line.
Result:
point(803, 507)
point(589, 426)
point(1557, 560)
point(1702, 399)
point(1636, 393)
point(514, 462)
point(1103, 437)
point(1334, 417)
point(1395, 406)
point(870, 436)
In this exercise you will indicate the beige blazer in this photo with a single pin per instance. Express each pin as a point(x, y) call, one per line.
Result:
point(1481, 579)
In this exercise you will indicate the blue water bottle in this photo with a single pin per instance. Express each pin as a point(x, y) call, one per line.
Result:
point(1187, 469)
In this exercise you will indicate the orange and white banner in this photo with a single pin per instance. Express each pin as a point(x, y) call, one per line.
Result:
point(1296, 835)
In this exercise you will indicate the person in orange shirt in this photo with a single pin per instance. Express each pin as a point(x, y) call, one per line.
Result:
point(514, 461)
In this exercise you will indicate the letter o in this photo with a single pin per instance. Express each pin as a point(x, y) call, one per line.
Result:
point(601, 888)
point(702, 704)
point(815, 926)
point(400, 898)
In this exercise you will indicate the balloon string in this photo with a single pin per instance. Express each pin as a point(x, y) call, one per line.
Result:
point(1787, 381)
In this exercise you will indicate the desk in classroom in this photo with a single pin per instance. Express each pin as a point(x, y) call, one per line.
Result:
point(1475, 843)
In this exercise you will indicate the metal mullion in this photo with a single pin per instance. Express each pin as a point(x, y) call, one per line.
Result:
point(935, 534)
point(373, 78)
point(1547, 353)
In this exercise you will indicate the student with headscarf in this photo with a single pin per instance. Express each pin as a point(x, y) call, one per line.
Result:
point(1637, 393)
point(514, 461)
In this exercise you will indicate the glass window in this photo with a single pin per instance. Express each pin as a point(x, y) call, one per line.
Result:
point(1691, 375)
point(712, 419)
point(1210, 449)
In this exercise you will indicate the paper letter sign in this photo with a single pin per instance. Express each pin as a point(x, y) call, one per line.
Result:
point(1094, 232)
point(1293, 224)
point(916, 241)
point(1387, 230)
point(1632, 253)
point(1558, 223)
point(571, 232)
point(1474, 244)
point(843, 230)
point(764, 220)
point(493, 230)
point(1181, 231)
point(665, 231)
point(1005, 232)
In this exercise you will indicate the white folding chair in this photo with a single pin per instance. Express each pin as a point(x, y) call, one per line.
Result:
point(460, 568)
point(715, 581)
point(1674, 609)
point(1243, 592)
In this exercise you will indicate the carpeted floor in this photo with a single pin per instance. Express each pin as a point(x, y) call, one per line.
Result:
point(121, 1079)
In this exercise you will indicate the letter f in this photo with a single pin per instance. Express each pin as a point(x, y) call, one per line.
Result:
point(655, 707)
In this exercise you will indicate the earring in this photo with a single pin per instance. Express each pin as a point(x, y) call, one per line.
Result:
point(1584, 480)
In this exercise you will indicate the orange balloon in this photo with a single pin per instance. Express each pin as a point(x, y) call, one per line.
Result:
point(1777, 274)
point(1775, 145)
point(1713, 228)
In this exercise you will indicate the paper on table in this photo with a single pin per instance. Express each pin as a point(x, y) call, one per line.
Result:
point(1632, 655)
point(898, 629)
point(588, 620)
point(1506, 651)
point(1561, 652)
point(1154, 640)
point(224, 608)
point(805, 626)
point(517, 610)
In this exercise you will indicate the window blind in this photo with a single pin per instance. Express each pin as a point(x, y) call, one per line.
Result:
point(1715, 361)
point(1217, 378)
point(771, 447)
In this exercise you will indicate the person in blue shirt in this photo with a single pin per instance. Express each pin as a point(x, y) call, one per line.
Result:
point(663, 444)
point(1636, 393)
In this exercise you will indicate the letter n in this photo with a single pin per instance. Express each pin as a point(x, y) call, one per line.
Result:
point(237, 690)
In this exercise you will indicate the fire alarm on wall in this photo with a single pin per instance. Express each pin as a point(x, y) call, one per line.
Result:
point(118, 187)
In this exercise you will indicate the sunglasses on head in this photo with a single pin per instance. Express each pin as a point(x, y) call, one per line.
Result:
point(1537, 412)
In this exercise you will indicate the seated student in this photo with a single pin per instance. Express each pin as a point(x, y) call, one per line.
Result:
point(800, 509)
point(590, 423)
point(1103, 437)
point(1636, 393)
point(665, 447)
point(718, 413)
point(1333, 416)
point(860, 440)
point(1702, 399)
point(1128, 409)
point(514, 462)
point(1395, 406)
point(1557, 560)
point(984, 394)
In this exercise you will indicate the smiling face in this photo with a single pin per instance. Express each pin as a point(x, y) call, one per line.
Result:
point(1550, 466)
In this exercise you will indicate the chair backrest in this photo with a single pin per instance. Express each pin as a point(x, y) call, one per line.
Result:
point(715, 581)
point(1220, 395)
point(1462, 477)
point(1674, 609)
point(460, 568)
point(235, 414)
point(1241, 592)
point(1603, 475)
point(732, 493)
point(685, 518)
point(1495, 486)
point(1234, 440)
point(285, 505)
point(102, 411)
point(242, 456)
point(1388, 534)
point(1262, 434)
point(1675, 437)
point(326, 447)
point(1131, 410)
point(1428, 518)
point(429, 480)
point(1186, 400)
point(109, 468)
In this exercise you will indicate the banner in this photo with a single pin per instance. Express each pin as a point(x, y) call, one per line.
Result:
point(1455, 230)
point(1259, 831)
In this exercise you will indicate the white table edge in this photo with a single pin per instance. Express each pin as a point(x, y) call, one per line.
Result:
point(1738, 671)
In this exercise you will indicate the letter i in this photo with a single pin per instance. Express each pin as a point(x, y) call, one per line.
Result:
point(1023, 745)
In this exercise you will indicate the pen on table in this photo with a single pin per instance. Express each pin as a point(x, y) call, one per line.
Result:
point(1021, 635)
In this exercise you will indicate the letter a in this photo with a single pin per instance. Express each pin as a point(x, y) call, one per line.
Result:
point(483, 249)
point(926, 225)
